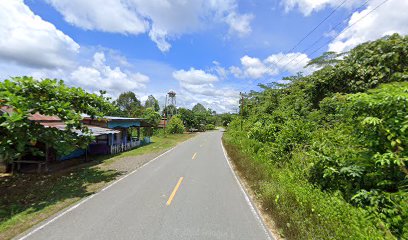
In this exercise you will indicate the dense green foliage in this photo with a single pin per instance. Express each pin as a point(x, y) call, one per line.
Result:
point(128, 105)
point(151, 117)
point(169, 111)
point(27, 96)
point(330, 150)
point(175, 125)
point(152, 102)
point(197, 118)
point(210, 127)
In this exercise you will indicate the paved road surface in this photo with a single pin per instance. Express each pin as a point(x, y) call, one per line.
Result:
point(188, 193)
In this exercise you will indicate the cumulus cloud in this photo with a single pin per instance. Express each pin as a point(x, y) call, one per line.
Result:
point(161, 19)
point(29, 40)
point(306, 7)
point(100, 76)
point(240, 24)
point(383, 21)
point(194, 77)
point(199, 86)
point(363, 26)
point(108, 16)
point(255, 68)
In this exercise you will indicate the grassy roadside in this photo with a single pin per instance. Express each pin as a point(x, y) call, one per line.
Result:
point(298, 210)
point(27, 199)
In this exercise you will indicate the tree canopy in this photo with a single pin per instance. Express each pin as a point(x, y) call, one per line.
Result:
point(152, 102)
point(342, 131)
point(50, 97)
point(129, 105)
point(199, 108)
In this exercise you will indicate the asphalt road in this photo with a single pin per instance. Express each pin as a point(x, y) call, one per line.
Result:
point(189, 192)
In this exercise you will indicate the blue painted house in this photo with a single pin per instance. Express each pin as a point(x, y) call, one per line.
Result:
point(115, 142)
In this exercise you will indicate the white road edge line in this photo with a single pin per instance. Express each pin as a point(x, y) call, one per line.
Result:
point(91, 196)
point(247, 199)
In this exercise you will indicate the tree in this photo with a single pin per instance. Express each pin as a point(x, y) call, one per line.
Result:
point(169, 111)
point(188, 117)
point(199, 108)
point(26, 96)
point(151, 117)
point(326, 59)
point(129, 105)
point(152, 102)
point(226, 118)
point(175, 125)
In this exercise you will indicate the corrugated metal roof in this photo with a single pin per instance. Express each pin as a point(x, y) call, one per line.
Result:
point(95, 131)
point(39, 117)
point(33, 117)
point(110, 118)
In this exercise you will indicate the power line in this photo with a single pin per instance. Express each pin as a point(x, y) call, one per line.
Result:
point(310, 32)
point(318, 25)
point(348, 27)
point(331, 29)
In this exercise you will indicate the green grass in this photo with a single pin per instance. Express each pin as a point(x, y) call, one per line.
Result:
point(298, 209)
point(27, 199)
point(158, 143)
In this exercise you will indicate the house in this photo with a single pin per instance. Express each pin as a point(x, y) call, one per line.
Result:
point(116, 142)
point(112, 135)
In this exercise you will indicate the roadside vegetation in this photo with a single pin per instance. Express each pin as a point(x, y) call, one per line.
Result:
point(327, 153)
point(27, 199)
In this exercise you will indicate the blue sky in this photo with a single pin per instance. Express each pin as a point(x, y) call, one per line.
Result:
point(207, 51)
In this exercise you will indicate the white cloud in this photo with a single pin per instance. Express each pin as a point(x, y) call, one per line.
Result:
point(100, 76)
point(383, 21)
point(255, 68)
point(161, 19)
point(194, 77)
point(221, 72)
point(199, 86)
point(28, 40)
point(309, 6)
point(108, 16)
point(240, 24)
point(290, 62)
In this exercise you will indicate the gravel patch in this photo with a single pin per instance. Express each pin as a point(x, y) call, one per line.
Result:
point(128, 164)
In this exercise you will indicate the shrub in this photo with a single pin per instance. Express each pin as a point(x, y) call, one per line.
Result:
point(175, 125)
point(210, 127)
point(327, 153)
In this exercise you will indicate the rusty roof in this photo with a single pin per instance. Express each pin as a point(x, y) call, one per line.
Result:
point(37, 117)
point(95, 130)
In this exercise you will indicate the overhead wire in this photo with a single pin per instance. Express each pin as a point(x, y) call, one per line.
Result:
point(311, 31)
point(338, 34)
point(323, 36)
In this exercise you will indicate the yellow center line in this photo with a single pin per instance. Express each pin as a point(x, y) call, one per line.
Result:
point(174, 191)
point(195, 154)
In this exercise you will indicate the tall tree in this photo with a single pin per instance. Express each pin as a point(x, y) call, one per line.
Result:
point(129, 105)
point(199, 108)
point(26, 96)
point(169, 111)
point(188, 117)
point(152, 102)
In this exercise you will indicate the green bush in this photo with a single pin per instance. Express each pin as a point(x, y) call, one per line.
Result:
point(327, 153)
point(210, 127)
point(175, 125)
point(299, 209)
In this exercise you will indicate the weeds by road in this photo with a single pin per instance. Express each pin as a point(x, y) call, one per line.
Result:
point(27, 199)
